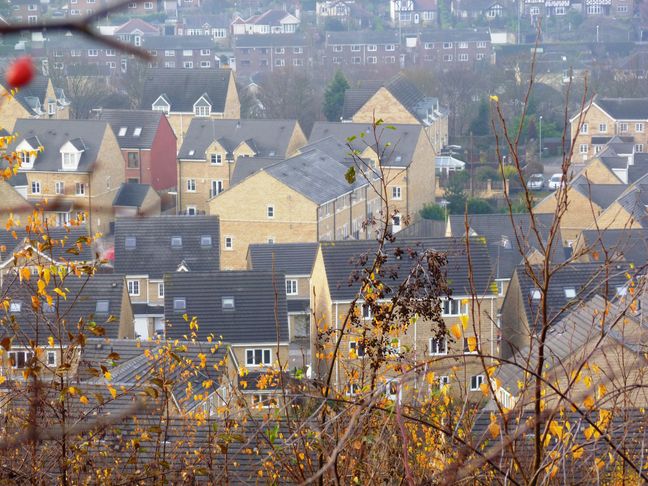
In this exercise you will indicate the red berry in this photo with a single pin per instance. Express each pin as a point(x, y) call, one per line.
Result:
point(21, 72)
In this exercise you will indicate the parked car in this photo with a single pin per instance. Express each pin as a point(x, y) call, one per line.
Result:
point(555, 181)
point(536, 182)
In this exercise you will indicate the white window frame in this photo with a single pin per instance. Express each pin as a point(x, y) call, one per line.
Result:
point(36, 187)
point(356, 350)
point(583, 148)
point(602, 127)
point(265, 353)
point(584, 128)
point(435, 348)
point(133, 287)
point(292, 286)
point(397, 193)
point(228, 243)
point(639, 127)
point(448, 308)
point(59, 187)
point(80, 189)
point(191, 185)
point(466, 349)
point(623, 127)
point(160, 291)
point(270, 211)
point(479, 380)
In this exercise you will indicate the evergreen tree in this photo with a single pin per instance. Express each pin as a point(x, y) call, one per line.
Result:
point(334, 97)
point(481, 124)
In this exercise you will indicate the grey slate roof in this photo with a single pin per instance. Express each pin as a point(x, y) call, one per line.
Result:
point(621, 244)
point(9, 244)
point(148, 121)
point(53, 134)
point(639, 169)
point(625, 108)
point(635, 201)
point(246, 166)
point(424, 228)
point(35, 90)
point(500, 234)
point(288, 258)
point(587, 280)
point(251, 321)
point(601, 194)
point(153, 255)
point(315, 175)
point(269, 137)
point(341, 261)
point(354, 99)
point(362, 37)
point(83, 294)
point(131, 195)
point(403, 139)
point(213, 21)
point(183, 87)
point(274, 40)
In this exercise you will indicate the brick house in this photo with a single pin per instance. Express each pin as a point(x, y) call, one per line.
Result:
point(332, 293)
point(364, 50)
point(188, 52)
point(268, 53)
point(446, 49)
point(182, 94)
point(397, 100)
point(408, 13)
point(269, 22)
point(606, 117)
point(212, 149)
point(148, 146)
point(215, 26)
point(609, 8)
point(136, 200)
point(74, 173)
point(135, 30)
point(148, 248)
point(27, 11)
point(39, 99)
point(304, 198)
point(79, 8)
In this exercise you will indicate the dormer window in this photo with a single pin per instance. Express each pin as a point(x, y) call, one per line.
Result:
point(202, 107)
point(27, 153)
point(71, 154)
point(162, 104)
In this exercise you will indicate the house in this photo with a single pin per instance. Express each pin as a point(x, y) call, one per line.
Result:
point(81, 57)
point(407, 13)
point(453, 48)
point(482, 9)
point(612, 244)
point(260, 53)
point(212, 149)
point(74, 174)
point(522, 309)
point(135, 30)
point(365, 51)
point(345, 12)
point(240, 308)
point(184, 94)
point(214, 26)
point(294, 261)
point(19, 249)
point(147, 8)
point(195, 52)
point(27, 11)
point(609, 8)
point(134, 199)
point(408, 164)
point(39, 99)
point(269, 22)
point(511, 239)
point(148, 248)
point(606, 117)
point(304, 198)
point(148, 146)
point(335, 287)
point(91, 300)
point(629, 210)
point(397, 100)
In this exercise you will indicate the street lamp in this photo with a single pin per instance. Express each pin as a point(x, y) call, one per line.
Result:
point(540, 137)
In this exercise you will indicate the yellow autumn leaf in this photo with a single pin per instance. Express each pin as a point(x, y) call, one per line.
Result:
point(589, 402)
point(108, 375)
point(587, 381)
point(25, 273)
point(60, 292)
point(113, 391)
point(577, 452)
point(556, 429)
point(588, 432)
point(72, 390)
point(2, 379)
point(494, 429)
point(50, 341)
point(464, 321)
point(83, 399)
point(484, 389)
point(455, 330)
point(41, 286)
point(494, 98)
point(472, 343)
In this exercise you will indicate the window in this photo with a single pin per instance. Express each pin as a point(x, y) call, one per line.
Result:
point(355, 48)
point(148, 5)
point(438, 346)
point(463, 45)
point(169, 64)
point(191, 185)
point(623, 127)
point(447, 58)
point(229, 243)
point(570, 292)
point(481, 44)
point(535, 294)
point(428, 45)
point(111, 64)
point(372, 47)
point(93, 52)
point(176, 242)
point(534, 11)
point(453, 307)
point(59, 187)
point(179, 304)
point(205, 241)
point(123, 64)
point(35, 187)
point(447, 45)
point(202, 110)
point(187, 53)
point(298, 62)
point(80, 189)
point(133, 160)
point(291, 287)
point(280, 63)
point(639, 148)
point(51, 358)
point(133, 287)
point(366, 312)
point(73, 53)
point(390, 47)
point(470, 345)
point(110, 52)
point(603, 127)
point(559, 10)
point(479, 56)
point(622, 9)
point(101, 307)
point(356, 349)
point(161, 289)
point(130, 242)
point(583, 149)
point(396, 223)
point(192, 210)
point(270, 212)
point(476, 381)
point(463, 57)
point(372, 60)
point(216, 159)
point(20, 359)
point(396, 193)
point(337, 48)
point(227, 303)
point(187, 64)
point(15, 306)
point(205, 52)
point(205, 64)
point(356, 60)
point(639, 127)
point(169, 53)
point(216, 187)
point(279, 50)
point(584, 128)
point(258, 357)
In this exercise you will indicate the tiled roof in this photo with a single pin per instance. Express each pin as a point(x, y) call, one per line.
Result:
point(9, 244)
point(53, 134)
point(81, 304)
point(403, 139)
point(424, 228)
point(341, 261)
point(173, 42)
point(183, 87)
point(635, 201)
point(34, 91)
point(620, 244)
point(251, 317)
point(354, 99)
point(271, 138)
point(213, 21)
point(145, 120)
point(134, 25)
point(153, 254)
point(601, 194)
point(246, 166)
point(131, 194)
point(362, 37)
point(288, 258)
point(624, 108)
point(455, 35)
point(274, 40)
